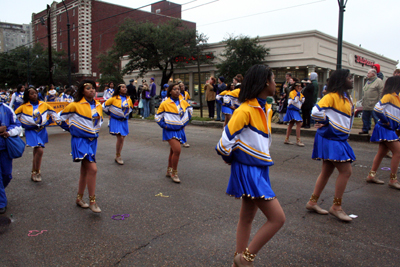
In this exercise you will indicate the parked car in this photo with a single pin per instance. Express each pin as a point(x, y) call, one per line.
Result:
point(194, 104)
point(358, 110)
point(99, 97)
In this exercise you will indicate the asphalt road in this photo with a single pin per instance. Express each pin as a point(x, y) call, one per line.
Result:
point(196, 224)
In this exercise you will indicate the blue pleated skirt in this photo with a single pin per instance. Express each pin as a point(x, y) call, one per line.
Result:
point(249, 181)
point(332, 150)
point(227, 110)
point(83, 148)
point(119, 127)
point(382, 134)
point(36, 139)
point(292, 115)
point(179, 135)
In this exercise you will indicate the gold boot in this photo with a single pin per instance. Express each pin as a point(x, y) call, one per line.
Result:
point(299, 143)
point(315, 207)
point(38, 176)
point(118, 159)
point(175, 177)
point(80, 202)
point(93, 205)
point(169, 172)
point(33, 176)
point(374, 179)
point(245, 255)
point(340, 214)
point(395, 185)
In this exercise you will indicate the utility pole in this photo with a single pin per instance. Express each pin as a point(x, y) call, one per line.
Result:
point(49, 46)
point(69, 47)
point(342, 6)
point(198, 73)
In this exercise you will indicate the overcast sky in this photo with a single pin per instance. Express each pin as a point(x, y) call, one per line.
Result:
point(373, 24)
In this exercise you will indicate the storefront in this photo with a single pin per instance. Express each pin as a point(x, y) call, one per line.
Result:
point(299, 53)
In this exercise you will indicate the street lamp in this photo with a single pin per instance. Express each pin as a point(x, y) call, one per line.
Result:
point(342, 6)
point(69, 47)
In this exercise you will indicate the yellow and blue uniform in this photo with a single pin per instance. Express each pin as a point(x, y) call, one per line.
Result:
point(17, 100)
point(67, 98)
point(108, 93)
point(84, 120)
point(3, 98)
point(388, 112)
point(13, 127)
point(221, 100)
point(295, 101)
point(118, 107)
point(185, 95)
point(34, 117)
point(245, 143)
point(51, 96)
point(232, 98)
point(337, 113)
point(173, 115)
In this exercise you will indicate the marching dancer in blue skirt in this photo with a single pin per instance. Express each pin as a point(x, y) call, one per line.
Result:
point(388, 112)
point(118, 107)
point(34, 116)
point(173, 115)
point(334, 115)
point(245, 145)
point(84, 117)
point(296, 99)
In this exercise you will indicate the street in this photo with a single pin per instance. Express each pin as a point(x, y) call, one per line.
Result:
point(192, 223)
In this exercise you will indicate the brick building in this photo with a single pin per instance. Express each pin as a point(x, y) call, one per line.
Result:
point(93, 26)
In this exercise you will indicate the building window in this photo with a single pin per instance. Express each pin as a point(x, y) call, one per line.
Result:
point(203, 77)
point(73, 42)
point(60, 18)
point(37, 26)
point(73, 56)
point(60, 45)
point(73, 27)
point(60, 31)
point(73, 12)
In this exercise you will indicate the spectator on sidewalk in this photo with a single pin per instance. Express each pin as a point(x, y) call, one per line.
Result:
point(221, 88)
point(209, 92)
point(372, 92)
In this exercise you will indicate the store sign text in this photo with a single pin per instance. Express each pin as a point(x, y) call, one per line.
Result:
point(364, 61)
point(208, 56)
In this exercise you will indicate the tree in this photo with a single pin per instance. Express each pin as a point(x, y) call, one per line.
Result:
point(110, 67)
point(150, 46)
point(23, 63)
point(240, 54)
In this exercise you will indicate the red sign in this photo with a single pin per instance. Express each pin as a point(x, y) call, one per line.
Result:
point(363, 61)
point(187, 59)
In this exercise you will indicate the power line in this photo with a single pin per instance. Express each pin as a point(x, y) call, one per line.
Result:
point(255, 14)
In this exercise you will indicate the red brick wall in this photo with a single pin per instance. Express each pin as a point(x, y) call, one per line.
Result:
point(104, 29)
point(167, 9)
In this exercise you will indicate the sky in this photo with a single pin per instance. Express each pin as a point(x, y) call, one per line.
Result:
point(373, 24)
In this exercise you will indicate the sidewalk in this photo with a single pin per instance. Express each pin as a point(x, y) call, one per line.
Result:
point(281, 129)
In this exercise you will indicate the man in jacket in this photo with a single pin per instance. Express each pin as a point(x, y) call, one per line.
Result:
point(372, 93)
point(314, 81)
point(209, 92)
point(132, 93)
point(153, 90)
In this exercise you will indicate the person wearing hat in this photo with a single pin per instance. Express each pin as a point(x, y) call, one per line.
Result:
point(132, 93)
point(52, 94)
point(221, 88)
point(153, 90)
point(164, 92)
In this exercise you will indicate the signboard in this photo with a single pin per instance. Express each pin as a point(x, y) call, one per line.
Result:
point(363, 61)
point(58, 106)
point(208, 56)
